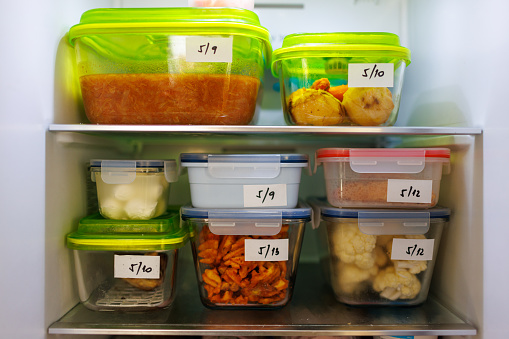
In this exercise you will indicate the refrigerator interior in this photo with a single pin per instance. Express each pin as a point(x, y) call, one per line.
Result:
point(448, 83)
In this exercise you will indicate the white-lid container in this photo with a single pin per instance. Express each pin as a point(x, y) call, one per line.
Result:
point(378, 256)
point(133, 189)
point(383, 177)
point(244, 180)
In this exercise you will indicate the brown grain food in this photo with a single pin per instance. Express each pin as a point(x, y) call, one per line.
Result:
point(229, 279)
point(361, 192)
point(172, 99)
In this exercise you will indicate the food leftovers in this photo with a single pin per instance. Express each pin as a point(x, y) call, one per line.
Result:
point(229, 279)
point(176, 99)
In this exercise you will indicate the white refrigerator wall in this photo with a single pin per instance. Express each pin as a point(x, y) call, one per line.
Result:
point(456, 78)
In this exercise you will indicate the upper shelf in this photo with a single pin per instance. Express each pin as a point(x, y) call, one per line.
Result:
point(249, 129)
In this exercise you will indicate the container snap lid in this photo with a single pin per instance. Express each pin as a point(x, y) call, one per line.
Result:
point(247, 221)
point(98, 233)
point(124, 171)
point(348, 44)
point(173, 20)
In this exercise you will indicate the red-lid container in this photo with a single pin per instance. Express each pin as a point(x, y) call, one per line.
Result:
point(383, 177)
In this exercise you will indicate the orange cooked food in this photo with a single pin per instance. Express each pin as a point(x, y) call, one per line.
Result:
point(229, 279)
point(171, 99)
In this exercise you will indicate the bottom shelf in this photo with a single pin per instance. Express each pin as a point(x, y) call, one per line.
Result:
point(312, 312)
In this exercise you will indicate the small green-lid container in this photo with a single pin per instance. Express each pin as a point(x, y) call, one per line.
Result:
point(96, 233)
point(172, 21)
point(366, 45)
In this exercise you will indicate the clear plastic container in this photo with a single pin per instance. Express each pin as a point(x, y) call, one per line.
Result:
point(244, 180)
point(246, 258)
point(383, 177)
point(133, 189)
point(379, 256)
point(330, 79)
point(127, 265)
point(175, 66)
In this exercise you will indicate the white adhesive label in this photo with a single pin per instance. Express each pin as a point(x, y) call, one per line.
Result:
point(409, 191)
point(209, 49)
point(137, 266)
point(265, 195)
point(412, 249)
point(371, 75)
point(266, 249)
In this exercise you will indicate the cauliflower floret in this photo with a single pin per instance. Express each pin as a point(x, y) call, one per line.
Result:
point(394, 284)
point(348, 277)
point(352, 246)
point(381, 258)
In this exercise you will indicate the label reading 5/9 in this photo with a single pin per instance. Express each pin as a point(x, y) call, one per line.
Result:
point(137, 266)
point(265, 195)
point(209, 49)
point(371, 75)
point(266, 249)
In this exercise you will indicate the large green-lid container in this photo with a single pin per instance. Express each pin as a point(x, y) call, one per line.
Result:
point(174, 21)
point(96, 233)
point(366, 45)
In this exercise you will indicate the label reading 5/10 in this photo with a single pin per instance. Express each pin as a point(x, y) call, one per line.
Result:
point(137, 266)
point(265, 195)
point(371, 75)
point(208, 49)
point(266, 249)
point(412, 249)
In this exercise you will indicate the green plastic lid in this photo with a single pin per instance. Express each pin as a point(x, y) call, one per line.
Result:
point(350, 44)
point(95, 233)
point(174, 20)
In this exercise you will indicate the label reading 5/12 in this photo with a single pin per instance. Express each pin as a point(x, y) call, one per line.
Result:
point(266, 249)
point(412, 249)
point(371, 75)
point(265, 195)
point(409, 191)
point(137, 266)
point(209, 49)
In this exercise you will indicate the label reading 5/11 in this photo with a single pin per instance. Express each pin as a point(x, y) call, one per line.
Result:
point(137, 266)
point(209, 49)
point(371, 75)
point(265, 195)
point(266, 249)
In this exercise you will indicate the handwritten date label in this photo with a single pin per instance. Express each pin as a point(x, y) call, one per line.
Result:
point(412, 249)
point(137, 266)
point(266, 249)
point(410, 191)
point(371, 75)
point(209, 49)
point(265, 195)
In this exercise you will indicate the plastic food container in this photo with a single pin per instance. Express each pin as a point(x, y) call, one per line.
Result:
point(379, 256)
point(246, 258)
point(133, 189)
point(197, 66)
point(382, 177)
point(244, 180)
point(127, 265)
point(330, 79)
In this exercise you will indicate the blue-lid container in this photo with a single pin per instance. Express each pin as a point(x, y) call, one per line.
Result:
point(244, 180)
point(379, 256)
point(246, 258)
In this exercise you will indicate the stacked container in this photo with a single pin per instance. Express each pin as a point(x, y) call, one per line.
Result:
point(179, 66)
point(329, 79)
point(246, 227)
point(126, 256)
point(380, 227)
